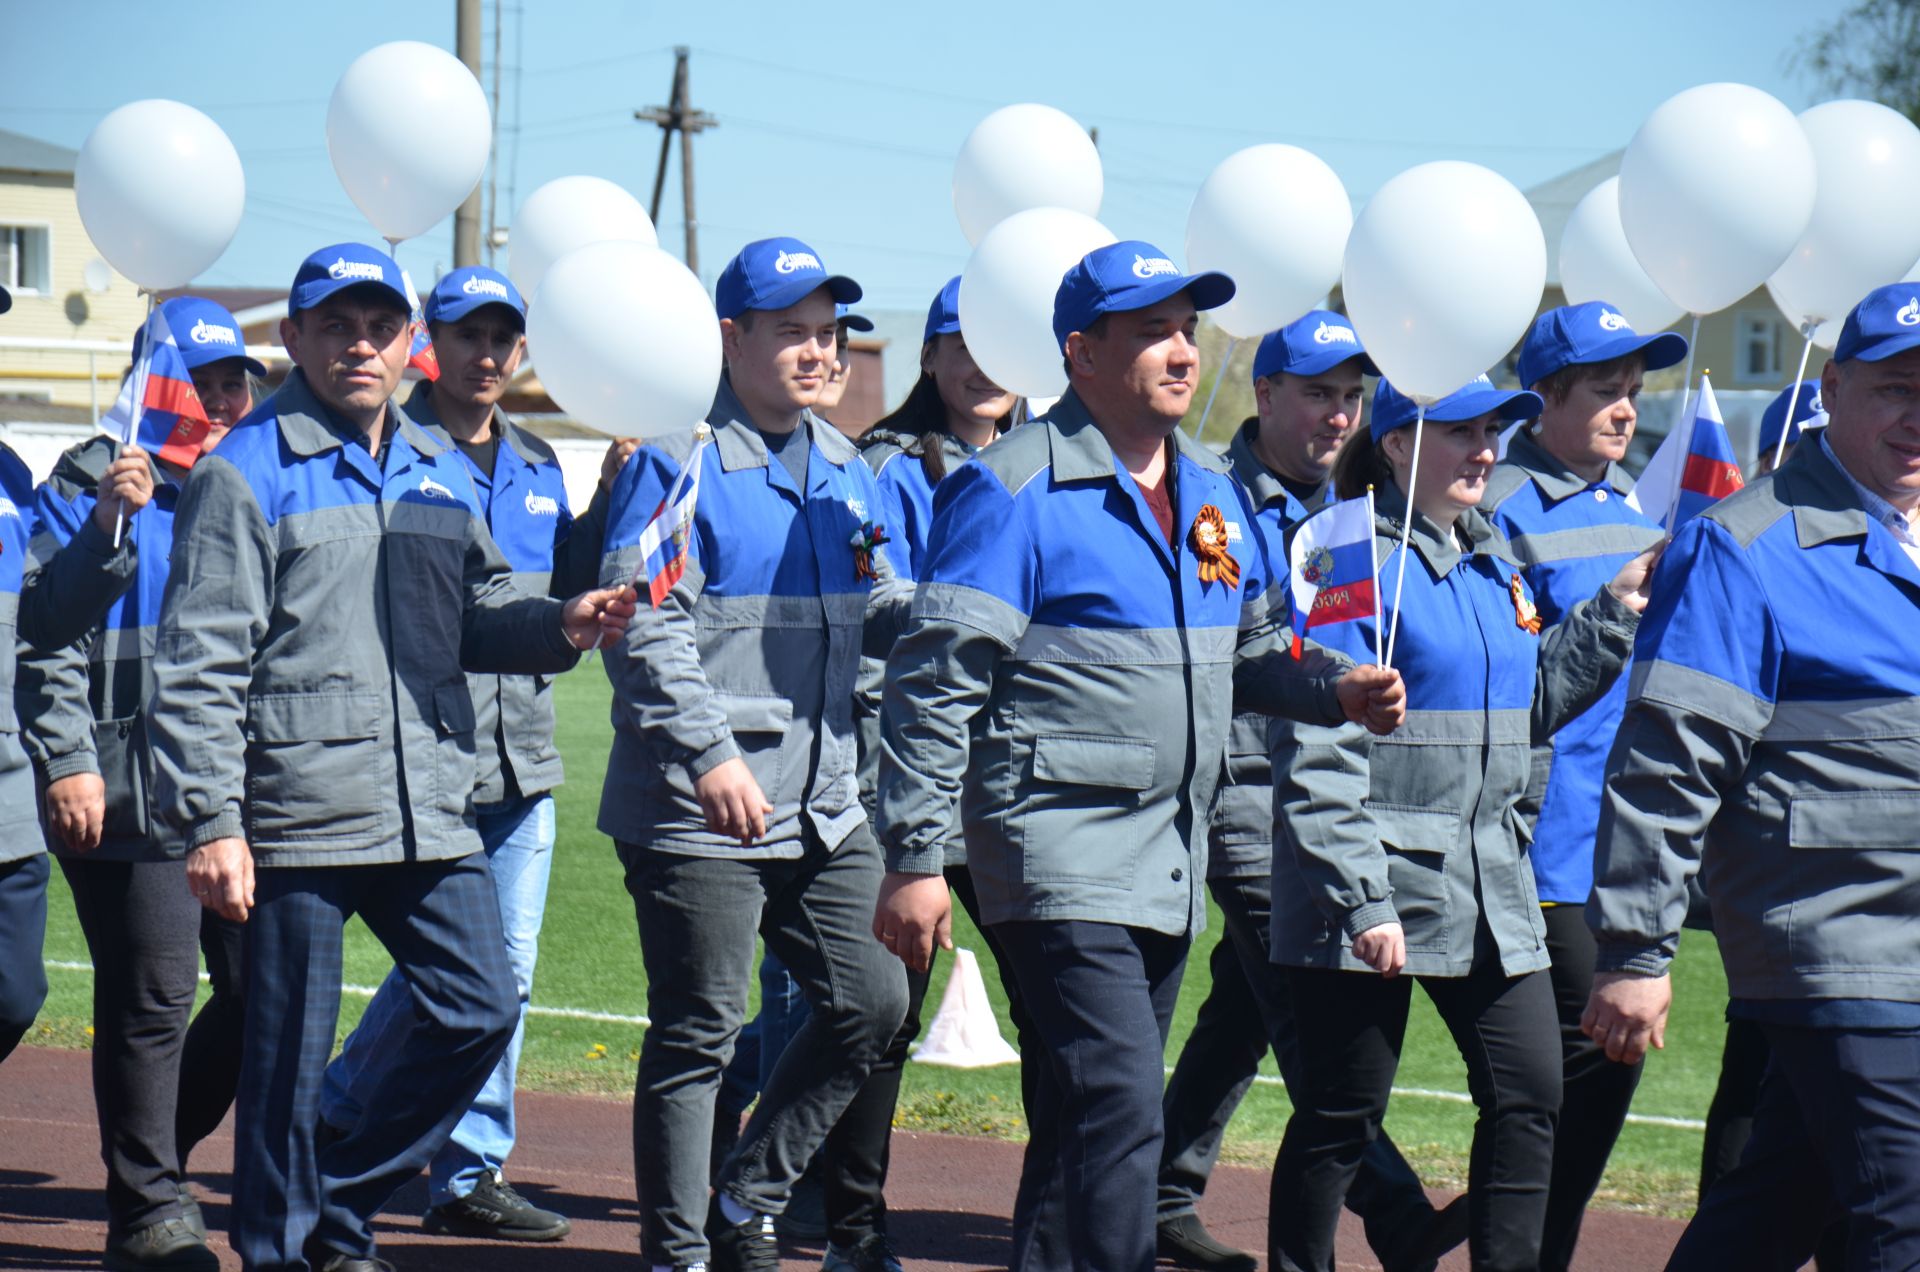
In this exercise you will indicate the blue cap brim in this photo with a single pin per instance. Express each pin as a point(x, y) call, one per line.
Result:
point(1208, 290)
point(1886, 347)
point(253, 365)
point(1666, 349)
point(857, 322)
point(6, 300)
point(1323, 362)
point(1507, 404)
point(946, 328)
point(467, 304)
point(313, 293)
point(843, 290)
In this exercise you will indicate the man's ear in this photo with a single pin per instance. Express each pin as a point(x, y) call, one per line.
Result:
point(290, 338)
point(1263, 395)
point(1079, 355)
point(729, 339)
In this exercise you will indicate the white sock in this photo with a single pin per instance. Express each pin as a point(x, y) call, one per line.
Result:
point(736, 1214)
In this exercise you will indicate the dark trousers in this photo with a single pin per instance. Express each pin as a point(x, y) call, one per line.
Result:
point(210, 1057)
point(142, 928)
point(1351, 1026)
point(1246, 1010)
point(1596, 1091)
point(440, 920)
point(960, 879)
point(855, 1157)
point(1836, 1140)
point(23, 934)
point(1102, 999)
point(697, 917)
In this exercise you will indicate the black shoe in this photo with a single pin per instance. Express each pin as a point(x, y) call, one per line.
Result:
point(1185, 1241)
point(190, 1211)
point(1423, 1245)
point(169, 1244)
point(805, 1218)
point(338, 1262)
point(872, 1253)
point(742, 1247)
point(495, 1210)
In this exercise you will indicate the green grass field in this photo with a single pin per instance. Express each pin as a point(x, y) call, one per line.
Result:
point(590, 960)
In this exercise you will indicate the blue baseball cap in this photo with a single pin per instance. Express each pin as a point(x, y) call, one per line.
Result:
point(1316, 342)
point(1125, 276)
point(943, 315)
point(467, 289)
point(204, 331)
point(6, 300)
point(1808, 412)
point(1393, 409)
point(1885, 323)
point(344, 265)
point(1594, 332)
point(773, 274)
point(852, 321)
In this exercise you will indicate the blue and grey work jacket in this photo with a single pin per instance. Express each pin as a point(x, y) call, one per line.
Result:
point(754, 652)
point(323, 607)
point(1571, 536)
point(1772, 741)
point(551, 552)
point(1064, 691)
point(1421, 828)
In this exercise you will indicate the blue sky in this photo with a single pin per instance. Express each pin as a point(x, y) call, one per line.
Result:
point(838, 124)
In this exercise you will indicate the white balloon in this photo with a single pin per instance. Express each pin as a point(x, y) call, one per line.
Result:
point(1865, 228)
point(409, 130)
point(1021, 157)
point(1275, 219)
point(1597, 264)
point(1443, 274)
point(1715, 189)
point(567, 213)
point(1827, 334)
point(1007, 291)
point(160, 191)
point(625, 339)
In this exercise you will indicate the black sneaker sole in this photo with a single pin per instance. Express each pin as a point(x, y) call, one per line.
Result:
point(447, 1225)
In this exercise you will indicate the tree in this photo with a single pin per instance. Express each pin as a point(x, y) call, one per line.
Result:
point(1872, 51)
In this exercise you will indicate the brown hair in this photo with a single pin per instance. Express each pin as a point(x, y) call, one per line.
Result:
point(917, 425)
point(1362, 462)
point(1557, 386)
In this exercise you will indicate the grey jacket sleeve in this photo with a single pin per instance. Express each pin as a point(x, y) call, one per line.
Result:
point(1321, 778)
point(505, 631)
point(214, 614)
point(56, 718)
point(659, 686)
point(69, 587)
point(1580, 658)
point(889, 606)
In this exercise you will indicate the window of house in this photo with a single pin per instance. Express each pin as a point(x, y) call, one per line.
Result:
point(26, 263)
point(1758, 348)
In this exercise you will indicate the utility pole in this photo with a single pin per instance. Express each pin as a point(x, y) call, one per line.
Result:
point(466, 218)
point(493, 150)
point(678, 116)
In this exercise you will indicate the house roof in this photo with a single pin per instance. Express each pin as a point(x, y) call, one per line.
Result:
point(19, 153)
point(1554, 201)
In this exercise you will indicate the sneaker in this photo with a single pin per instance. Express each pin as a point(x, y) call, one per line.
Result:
point(168, 1244)
point(751, 1246)
point(872, 1253)
point(190, 1211)
point(494, 1209)
point(805, 1218)
point(1185, 1242)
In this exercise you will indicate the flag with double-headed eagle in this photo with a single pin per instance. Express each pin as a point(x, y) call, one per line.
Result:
point(158, 408)
point(1332, 575)
point(665, 540)
point(420, 354)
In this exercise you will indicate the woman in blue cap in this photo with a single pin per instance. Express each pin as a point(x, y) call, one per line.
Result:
point(1404, 854)
point(160, 1084)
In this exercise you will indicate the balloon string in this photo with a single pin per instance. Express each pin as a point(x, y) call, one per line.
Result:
point(1686, 392)
point(130, 429)
point(1793, 397)
point(1406, 534)
point(1214, 392)
point(1376, 582)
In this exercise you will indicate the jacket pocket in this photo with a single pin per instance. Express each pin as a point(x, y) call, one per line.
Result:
point(1417, 842)
point(1850, 909)
point(759, 724)
point(311, 773)
point(1855, 819)
point(1076, 815)
point(121, 748)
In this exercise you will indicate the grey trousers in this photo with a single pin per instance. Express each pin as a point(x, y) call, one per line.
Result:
point(697, 917)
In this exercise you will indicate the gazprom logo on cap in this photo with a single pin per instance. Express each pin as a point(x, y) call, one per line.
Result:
point(792, 262)
point(1150, 266)
point(1610, 321)
point(1479, 382)
point(1909, 314)
point(1325, 334)
point(344, 268)
point(478, 286)
point(205, 332)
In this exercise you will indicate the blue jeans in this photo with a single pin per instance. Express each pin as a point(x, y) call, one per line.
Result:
point(518, 836)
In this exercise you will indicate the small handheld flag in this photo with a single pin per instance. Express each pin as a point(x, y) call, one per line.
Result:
point(664, 542)
point(1332, 575)
point(1694, 468)
point(158, 408)
point(420, 354)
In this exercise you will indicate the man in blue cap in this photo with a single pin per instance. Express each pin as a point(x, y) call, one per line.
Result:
point(731, 789)
point(1560, 497)
point(1808, 413)
point(314, 743)
point(841, 376)
point(478, 322)
point(1308, 398)
point(1095, 602)
point(1769, 743)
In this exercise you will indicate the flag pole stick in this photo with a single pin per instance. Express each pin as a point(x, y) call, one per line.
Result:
point(1406, 533)
point(1214, 392)
point(1686, 391)
point(131, 429)
point(1793, 398)
point(1376, 580)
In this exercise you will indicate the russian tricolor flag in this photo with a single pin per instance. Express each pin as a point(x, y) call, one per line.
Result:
point(169, 422)
point(664, 542)
point(1332, 575)
point(420, 354)
point(1693, 469)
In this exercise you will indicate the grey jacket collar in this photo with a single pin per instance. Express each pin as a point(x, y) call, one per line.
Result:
point(421, 409)
point(738, 442)
point(310, 428)
point(1081, 452)
point(1439, 548)
point(1825, 504)
point(1257, 477)
point(1555, 480)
